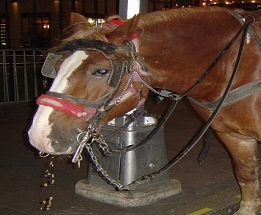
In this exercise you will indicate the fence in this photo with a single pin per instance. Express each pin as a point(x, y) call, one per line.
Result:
point(20, 74)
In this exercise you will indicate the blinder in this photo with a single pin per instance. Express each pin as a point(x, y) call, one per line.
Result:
point(118, 68)
point(48, 68)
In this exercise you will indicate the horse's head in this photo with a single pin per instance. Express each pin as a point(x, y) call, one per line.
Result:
point(97, 76)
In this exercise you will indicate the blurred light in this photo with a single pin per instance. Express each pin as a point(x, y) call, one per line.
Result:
point(46, 26)
point(96, 22)
point(133, 8)
point(91, 21)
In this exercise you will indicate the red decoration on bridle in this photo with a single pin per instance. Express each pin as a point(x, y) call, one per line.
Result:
point(118, 22)
point(67, 107)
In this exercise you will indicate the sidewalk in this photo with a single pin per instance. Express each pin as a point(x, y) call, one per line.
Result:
point(209, 188)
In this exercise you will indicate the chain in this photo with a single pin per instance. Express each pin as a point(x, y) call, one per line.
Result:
point(102, 145)
point(124, 90)
point(85, 139)
point(102, 172)
point(172, 96)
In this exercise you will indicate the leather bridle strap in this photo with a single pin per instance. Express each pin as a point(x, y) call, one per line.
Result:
point(233, 97)
point(74, 99)
point(214, 63)
point(241, 19)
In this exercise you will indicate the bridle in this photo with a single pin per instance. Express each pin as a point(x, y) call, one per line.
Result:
point(75, 106)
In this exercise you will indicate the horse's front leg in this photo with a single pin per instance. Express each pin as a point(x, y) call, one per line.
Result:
point(244, 155)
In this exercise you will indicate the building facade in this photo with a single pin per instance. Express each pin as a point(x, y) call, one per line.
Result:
point(39, 23)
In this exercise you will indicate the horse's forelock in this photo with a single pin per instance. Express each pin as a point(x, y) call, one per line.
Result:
point(74, 32)
point(83, 30)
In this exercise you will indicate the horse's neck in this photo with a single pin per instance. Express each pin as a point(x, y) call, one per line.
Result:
point(180, 50)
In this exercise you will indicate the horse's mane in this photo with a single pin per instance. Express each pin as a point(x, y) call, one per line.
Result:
point(83, 30)
point(170, 15)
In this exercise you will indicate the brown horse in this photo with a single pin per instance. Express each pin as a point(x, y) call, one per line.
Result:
point(102, 73)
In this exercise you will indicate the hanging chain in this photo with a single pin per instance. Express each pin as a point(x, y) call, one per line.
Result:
point(102, 172)
point(124, 90)
point(85, 139)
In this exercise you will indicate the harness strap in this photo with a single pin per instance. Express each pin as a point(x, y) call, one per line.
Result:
point(233, 97)
point(214, 63)
point(244, 91)
point(241, 19)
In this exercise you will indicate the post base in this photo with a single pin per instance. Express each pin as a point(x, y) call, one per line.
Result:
point(143, 196)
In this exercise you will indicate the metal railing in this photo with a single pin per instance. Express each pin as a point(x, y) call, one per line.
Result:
point(20, 74)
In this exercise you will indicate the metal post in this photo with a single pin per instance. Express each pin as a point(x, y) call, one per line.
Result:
point(60, 15)
point(96, 9)
point(73, 6)
point(34, 24)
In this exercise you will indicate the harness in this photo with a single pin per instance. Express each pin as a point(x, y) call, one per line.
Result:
point(243, 91)
point(86, 138)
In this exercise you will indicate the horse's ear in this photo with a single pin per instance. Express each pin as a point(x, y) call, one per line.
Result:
point(78, 23)
point(77, 18)
point(124, 32)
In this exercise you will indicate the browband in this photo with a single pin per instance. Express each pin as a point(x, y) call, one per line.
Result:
point(81, 44)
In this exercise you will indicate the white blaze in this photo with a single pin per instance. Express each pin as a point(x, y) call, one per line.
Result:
point(41, 128)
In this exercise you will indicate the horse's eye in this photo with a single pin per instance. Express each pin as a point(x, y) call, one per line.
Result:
point(101, 72)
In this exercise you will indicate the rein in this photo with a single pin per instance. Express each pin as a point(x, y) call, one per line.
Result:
point(241, 92)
